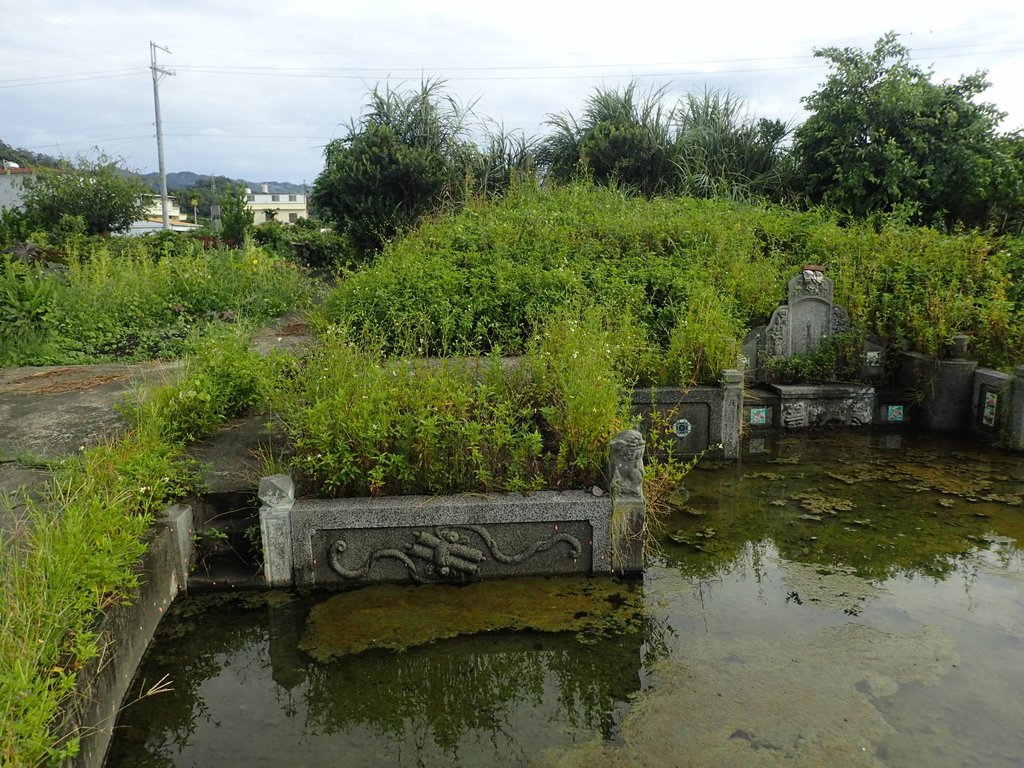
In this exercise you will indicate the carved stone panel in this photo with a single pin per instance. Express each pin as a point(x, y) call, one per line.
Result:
point(451, 553)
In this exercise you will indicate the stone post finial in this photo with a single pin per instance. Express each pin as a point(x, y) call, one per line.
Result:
point(626, 475)
point(626, 481)
point(277, 491)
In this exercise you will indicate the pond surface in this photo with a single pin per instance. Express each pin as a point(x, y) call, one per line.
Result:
point(834, 599)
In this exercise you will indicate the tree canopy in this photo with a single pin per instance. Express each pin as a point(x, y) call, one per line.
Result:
point(105, 197)
point(409, 154)
point(882, 137)
point(405, 155)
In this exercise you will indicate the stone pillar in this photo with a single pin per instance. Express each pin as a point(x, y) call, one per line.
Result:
point(179, 518)
point(732, 413)
point(948, 407)
point(1015, 426)
point(626, 481)
point(277, 492)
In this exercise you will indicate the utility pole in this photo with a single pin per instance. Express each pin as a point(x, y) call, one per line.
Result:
point(157, 72)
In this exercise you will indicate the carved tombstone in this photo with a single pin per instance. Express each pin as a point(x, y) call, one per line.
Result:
point(797, 327)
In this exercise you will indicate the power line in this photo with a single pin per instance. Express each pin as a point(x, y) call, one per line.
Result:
point(61, 79)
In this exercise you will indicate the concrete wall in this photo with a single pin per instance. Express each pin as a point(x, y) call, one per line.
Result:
point(701, 417)
point(12, 189)
point(125, 632)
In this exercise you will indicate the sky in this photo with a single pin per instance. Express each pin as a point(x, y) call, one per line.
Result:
point(259, 88)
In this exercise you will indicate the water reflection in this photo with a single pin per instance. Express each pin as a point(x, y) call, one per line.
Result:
point(848, 502)
point(849, 600)
point(492, 699)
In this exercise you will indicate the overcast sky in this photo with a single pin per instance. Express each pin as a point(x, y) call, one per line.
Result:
point(259, 88)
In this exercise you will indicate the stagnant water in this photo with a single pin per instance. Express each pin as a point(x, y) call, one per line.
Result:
point(836, 599)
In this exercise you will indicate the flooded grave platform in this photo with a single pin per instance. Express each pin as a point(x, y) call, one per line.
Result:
point(832, 598)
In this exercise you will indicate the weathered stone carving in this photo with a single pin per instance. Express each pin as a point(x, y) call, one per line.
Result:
point(794, 415)
point(797, 327)
point(627, 464)
point(277, 491)
point(778, 332)
point(840, 320)
point(812, 282)
point(446, 554)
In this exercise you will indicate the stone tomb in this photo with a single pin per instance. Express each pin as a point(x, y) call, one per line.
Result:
point(810, 315)
point(458, 538)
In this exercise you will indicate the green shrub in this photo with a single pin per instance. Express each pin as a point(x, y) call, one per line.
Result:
point(837, 358)
point(361, 424)
point(136, 298)
point(490, 275)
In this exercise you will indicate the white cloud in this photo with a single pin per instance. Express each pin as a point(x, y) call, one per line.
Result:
point(533, 58)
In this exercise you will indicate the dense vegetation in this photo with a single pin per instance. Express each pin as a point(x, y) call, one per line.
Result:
point(90, 196)
point(883, 137)
point(131, 299)
point(684, 277)
point(656, 240)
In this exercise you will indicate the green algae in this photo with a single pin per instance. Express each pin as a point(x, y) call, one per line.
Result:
point(849, 504)
point(397, 617)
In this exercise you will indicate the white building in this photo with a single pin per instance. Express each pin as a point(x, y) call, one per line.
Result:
point(284, 207)
point(12, 186)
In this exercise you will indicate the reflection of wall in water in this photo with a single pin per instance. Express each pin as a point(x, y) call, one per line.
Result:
point(470, 684)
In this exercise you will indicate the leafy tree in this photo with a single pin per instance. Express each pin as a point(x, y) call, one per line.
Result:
point(107, 198)
point(883, 137)
point(26, 158)
point(406, 156)
point(236, 217)
point(208, 190)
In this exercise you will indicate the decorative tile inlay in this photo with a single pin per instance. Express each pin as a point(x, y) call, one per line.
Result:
point(894, 413)
point(682, 428)
point(758, 416)
point(988, 416)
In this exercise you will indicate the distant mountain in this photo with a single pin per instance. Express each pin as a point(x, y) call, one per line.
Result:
point(179, 180)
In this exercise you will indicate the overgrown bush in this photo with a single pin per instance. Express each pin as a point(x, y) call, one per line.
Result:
point(307, 242)
point(361, 424)
point(130, 299)
point(691, 274)
point(837, 358)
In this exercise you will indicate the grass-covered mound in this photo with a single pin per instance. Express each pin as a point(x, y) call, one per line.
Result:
point(686, 276)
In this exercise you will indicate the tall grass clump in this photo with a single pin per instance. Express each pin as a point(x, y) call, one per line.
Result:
point(72, 554)
point(133, 299)
point(361, 424)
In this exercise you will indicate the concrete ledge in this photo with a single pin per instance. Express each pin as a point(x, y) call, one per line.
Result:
point(125, 632)
point(450, 538)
